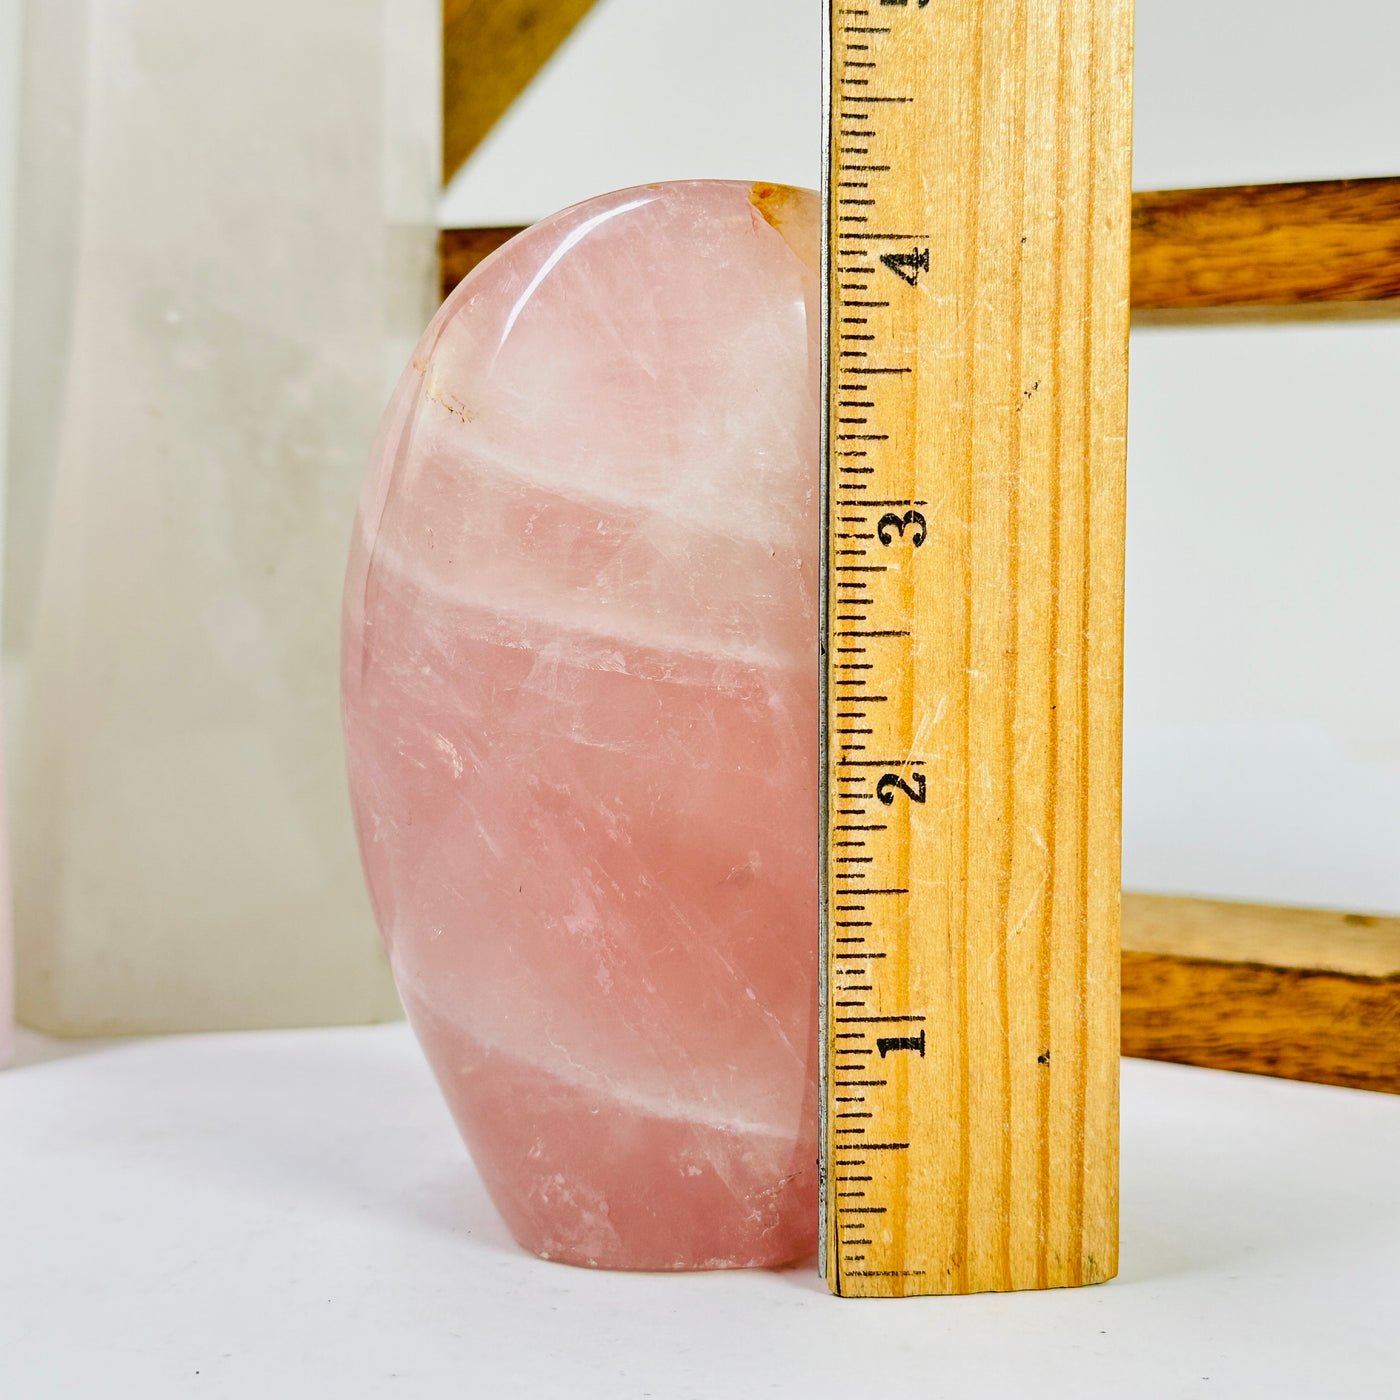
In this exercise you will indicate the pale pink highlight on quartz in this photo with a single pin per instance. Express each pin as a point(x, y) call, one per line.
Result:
point(580, 702)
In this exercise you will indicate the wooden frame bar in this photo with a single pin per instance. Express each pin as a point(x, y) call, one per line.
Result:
point(1292, 251)
point(1329, 242)
point(1297, 993)
point(461, 249)
point(491, 49)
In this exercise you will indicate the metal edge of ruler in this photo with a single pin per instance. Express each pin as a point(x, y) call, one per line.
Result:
point(823, 736)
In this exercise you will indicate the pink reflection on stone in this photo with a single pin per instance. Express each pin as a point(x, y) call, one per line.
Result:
point(580, 701)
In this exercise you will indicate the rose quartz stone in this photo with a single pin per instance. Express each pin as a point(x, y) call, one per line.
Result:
point(580, 702)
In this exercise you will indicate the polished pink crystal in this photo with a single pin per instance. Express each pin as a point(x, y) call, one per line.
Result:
point(580, 701)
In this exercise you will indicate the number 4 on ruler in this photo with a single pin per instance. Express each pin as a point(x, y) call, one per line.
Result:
point(907, 266)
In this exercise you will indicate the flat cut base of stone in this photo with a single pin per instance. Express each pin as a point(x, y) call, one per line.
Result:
point(567, 1165)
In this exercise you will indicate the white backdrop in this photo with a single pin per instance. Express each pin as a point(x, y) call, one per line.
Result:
point(1263, 729)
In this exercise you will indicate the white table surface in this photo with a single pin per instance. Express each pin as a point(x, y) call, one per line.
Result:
point(292, 1214)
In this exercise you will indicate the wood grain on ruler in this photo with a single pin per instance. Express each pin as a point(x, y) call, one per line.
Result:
point(490, 51)
point(991, 399)
point(1329, 241)
point(1298, 993)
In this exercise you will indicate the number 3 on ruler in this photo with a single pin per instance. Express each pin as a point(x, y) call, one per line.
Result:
point(914, 519)
point(885, 788)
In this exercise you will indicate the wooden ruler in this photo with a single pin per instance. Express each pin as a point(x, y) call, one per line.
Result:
point(977, 191)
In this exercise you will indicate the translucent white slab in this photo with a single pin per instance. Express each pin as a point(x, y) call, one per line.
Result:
point(225, 242)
